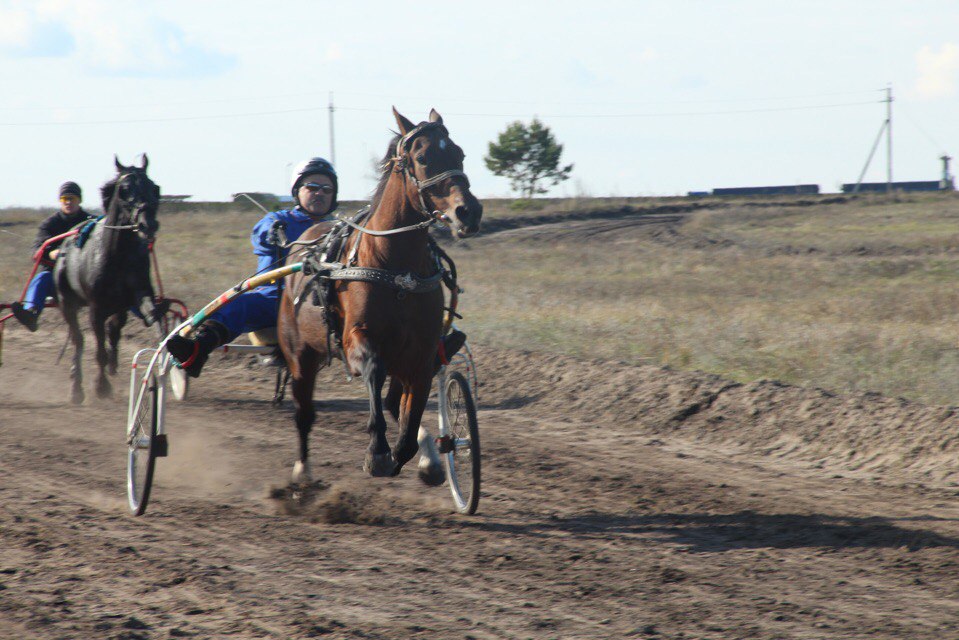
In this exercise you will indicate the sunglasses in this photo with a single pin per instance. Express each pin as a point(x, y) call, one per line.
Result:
point(69, 199)
point(313, 187)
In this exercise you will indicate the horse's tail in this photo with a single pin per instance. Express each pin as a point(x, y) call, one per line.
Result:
point(63, 349)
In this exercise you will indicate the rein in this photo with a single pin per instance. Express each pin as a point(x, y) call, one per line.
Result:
point(419, 225)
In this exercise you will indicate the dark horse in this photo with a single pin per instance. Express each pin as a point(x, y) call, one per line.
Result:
point(110, 273)
point(385, 331)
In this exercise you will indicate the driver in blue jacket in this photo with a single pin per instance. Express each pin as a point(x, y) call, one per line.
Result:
point(314, 188)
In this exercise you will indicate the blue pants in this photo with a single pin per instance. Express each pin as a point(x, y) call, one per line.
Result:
point(251, 311)
point(39, 289)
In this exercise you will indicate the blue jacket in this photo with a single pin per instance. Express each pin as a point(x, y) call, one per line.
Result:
point(296, 220)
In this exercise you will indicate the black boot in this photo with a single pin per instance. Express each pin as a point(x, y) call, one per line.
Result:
point(452, 342)
point(27, 317)
point(192, 353)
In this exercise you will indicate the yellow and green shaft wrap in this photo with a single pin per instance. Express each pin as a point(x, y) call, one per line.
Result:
point(250, 283)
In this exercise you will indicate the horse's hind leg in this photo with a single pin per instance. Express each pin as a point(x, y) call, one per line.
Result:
point(114, 324)
point(104, 388)
point(69, 310)
point(304, 370)
point(365, 362)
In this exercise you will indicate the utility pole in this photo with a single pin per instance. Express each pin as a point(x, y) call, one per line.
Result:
point(332, 142)
point(889, 138)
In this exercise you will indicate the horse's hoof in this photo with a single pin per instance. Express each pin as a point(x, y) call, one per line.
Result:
point(432, 475)
point(379, 466)
point(77, 397)
point(104, 390)
point(302, 474)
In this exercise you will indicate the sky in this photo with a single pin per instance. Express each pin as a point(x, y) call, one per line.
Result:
point(648, 97)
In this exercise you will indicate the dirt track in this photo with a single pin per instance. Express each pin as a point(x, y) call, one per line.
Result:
point(637, 510)
point(619, 501)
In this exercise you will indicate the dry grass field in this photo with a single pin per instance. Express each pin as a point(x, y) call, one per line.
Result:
point(841, 293)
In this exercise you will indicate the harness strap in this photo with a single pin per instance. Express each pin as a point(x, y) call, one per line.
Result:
point(406, 282)
point(441, 352)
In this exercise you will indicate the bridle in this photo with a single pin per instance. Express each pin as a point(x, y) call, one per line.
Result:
point(402, 164)
point(116, 200)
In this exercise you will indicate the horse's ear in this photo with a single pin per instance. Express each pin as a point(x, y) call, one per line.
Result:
point(435, 116)
point(116, 161)
point(402, 122)
point(145, 162)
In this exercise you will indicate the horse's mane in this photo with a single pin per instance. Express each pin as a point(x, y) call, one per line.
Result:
point(386, 168)
point(107, 191)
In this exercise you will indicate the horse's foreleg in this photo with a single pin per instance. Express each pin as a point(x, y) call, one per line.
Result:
point(306, 365)
point(366, 363)
point(114, 324)
point(69, 311)
point(414, 437)
point(104, 388)
point(392, 401)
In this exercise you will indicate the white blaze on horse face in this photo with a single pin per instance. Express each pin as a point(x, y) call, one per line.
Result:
point(442, 144)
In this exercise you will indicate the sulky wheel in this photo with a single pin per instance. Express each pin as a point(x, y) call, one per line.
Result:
point(143, 442)
point(460, 448)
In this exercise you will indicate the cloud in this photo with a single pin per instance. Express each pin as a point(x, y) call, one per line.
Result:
point(107, 39)
point(25, 34)
point(648, 55)
point(149, 49)
point(334, 53)
point(938, 71)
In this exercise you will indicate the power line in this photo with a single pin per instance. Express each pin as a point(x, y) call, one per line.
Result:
point(915, 123)
point(444, 99)
point(666, 114)
point(620, 102)
point(463, 114)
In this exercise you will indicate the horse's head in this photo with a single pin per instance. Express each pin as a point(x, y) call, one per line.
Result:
point(438, 187)
point(132, 199)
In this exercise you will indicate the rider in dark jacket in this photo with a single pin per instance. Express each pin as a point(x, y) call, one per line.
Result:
point(70, 215)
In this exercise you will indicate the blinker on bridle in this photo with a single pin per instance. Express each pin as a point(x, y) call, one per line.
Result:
point(401, 163)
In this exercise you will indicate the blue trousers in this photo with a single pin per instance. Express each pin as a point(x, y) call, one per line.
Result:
point(41, 287)
point(38, 290)
point(251, 311)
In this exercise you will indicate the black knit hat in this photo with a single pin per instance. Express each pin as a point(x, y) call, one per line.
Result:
point(70, 189)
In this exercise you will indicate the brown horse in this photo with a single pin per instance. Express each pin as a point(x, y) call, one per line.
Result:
point(383, 330)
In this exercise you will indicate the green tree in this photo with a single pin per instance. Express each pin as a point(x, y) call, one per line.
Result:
point(528, 156)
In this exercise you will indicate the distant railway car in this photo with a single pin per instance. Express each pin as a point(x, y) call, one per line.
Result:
point(795, 189)
point(873, 187)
